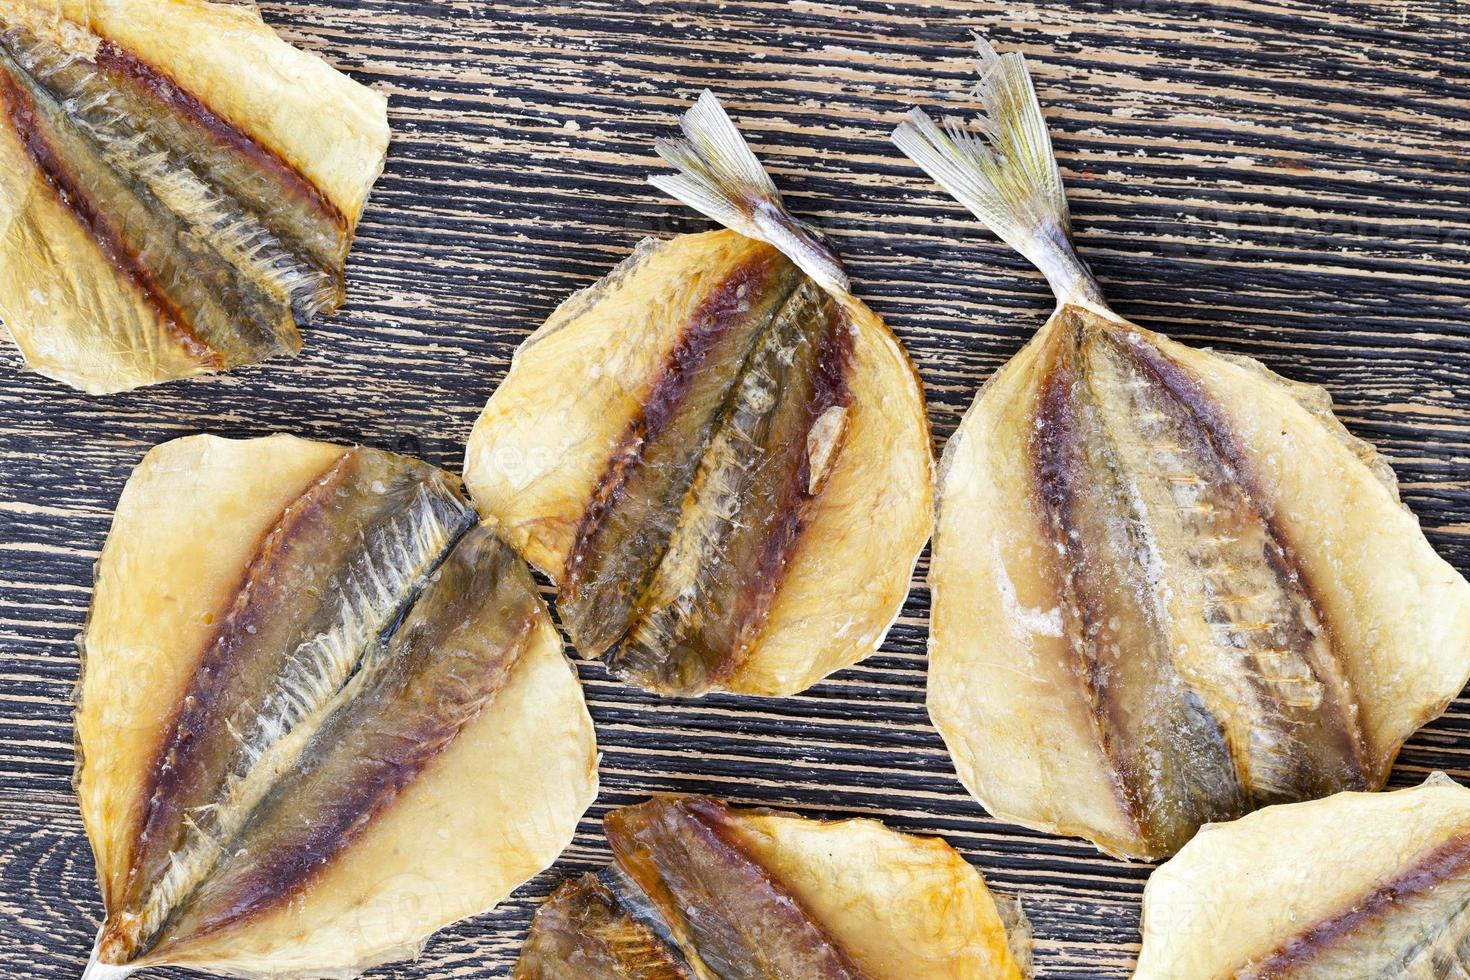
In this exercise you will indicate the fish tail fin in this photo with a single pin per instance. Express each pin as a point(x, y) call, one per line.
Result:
point(1004, 171)
point(720, 177)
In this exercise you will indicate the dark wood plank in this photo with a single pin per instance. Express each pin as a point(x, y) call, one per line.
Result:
point(1274, 177)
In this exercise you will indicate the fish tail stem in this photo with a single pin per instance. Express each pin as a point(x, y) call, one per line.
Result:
point(720, 177)
point(1005, 172)
point(98, 970)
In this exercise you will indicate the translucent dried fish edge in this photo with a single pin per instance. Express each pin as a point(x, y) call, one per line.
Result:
point(323, 712)
point(1168, 586)
point(1357, 884)
point(178, 187)
point(700, 890)
point(720, 456)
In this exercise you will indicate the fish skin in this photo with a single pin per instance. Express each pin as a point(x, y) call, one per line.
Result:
point(195, 244)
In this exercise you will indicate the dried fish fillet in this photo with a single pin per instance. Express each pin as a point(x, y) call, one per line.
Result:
point(720, 456)
point(1355, 885)
point(700, 891)
point(309, 677)
point(178, 187)
point(1168, 586)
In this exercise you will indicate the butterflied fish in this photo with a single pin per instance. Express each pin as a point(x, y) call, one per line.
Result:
point(178, 187)
point(701, 891)
point(323, 712)
point(1354, 885)
point(720, 456)
point(1168, 586)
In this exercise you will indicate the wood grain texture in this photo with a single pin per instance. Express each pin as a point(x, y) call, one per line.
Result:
point(1281, 178)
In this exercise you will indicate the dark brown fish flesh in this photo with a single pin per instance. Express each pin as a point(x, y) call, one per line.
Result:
point(701, 891)
point(1168, 586)
point(178, 187)
point(308, 676)
point(1354, 885)
point(720, 456)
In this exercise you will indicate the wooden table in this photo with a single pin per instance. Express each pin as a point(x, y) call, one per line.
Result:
point(1284, 179)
